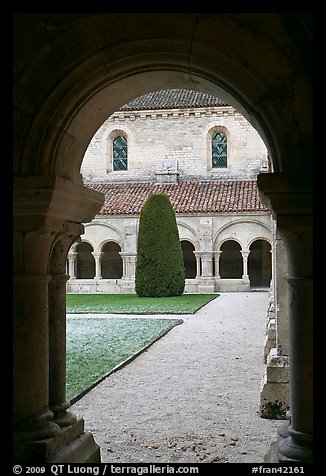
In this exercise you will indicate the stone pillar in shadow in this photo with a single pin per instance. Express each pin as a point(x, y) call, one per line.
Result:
point(57, 327)
point(291, 205)
point(32, 419)
point(41, 207)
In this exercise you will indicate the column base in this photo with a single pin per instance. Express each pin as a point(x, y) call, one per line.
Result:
point(70, 445)
point(206, 285)
point(297, 447)
point(61, 415)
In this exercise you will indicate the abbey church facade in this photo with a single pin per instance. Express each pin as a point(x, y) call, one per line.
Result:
point(206, 157)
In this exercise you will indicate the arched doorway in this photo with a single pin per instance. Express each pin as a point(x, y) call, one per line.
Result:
point(111, 262)
point(85, 262)
point(260, 264)
point(231, 264)
point(189, 258)
point(64, 91)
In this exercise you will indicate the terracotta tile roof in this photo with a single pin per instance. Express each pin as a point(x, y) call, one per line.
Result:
point(172, 99)
point(235, 196)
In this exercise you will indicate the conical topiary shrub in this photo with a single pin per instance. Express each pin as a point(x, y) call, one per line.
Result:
point(160, 267)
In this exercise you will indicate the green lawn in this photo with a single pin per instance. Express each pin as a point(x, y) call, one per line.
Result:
point(133, 304)
point(95, 346)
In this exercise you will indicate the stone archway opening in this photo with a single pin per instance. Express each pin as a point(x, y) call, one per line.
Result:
point(66, 89)
point(231, 263)
point(189, 259)
point(111, 262)
point(231, 259)
point(85, 262)
point(260, 264)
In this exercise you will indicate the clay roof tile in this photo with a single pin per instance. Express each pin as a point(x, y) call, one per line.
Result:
point(231, 196)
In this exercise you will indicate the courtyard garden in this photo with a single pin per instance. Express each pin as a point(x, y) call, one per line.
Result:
point(133, 304)
point(98, 345)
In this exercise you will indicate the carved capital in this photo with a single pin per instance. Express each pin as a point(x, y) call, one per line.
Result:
point(285, 197)
point(51, 202)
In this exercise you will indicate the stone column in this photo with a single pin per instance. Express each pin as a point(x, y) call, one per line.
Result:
point(129, 264)
point(98, 271)
point(207, 263)
point(129, 270)
point(72, 255)
point(198, 271)
point(291, 205)
point(217, 255)
point(41, 208)
point(33, 419)
point(57, 351)
point(57, 327)
point(245, 276)
point(206, 281)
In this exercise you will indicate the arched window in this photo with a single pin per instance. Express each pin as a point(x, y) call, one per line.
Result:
point(120, 161)
point(219, 150)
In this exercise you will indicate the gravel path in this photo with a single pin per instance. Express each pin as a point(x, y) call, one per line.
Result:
point(193, 396)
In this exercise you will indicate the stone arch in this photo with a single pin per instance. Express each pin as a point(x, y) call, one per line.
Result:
point(98, 232)
point(186, 232)
point(235, 230)
point(93, 91)
point(229, 237)
point(64, 90)
point(261, 238)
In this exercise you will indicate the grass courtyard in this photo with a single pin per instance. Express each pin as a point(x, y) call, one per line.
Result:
point(96, 345)
point(133, 304)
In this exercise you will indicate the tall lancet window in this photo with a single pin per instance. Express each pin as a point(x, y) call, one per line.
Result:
point(219, 150)
point(120, 159)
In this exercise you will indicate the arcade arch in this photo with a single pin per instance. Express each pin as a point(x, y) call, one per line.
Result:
point(85, 262)
point(111, 262)
point(189, 259)
point(231, 260)
point(260, 263)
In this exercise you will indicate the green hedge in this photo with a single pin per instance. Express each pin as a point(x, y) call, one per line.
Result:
point(160, 267)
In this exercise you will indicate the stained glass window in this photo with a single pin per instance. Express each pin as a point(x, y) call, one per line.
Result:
point(120, 153)
point(219, 150)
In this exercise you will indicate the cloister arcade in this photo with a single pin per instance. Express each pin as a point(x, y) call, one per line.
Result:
point(230, 261)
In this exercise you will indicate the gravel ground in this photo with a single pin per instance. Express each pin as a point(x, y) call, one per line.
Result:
point(193, 396)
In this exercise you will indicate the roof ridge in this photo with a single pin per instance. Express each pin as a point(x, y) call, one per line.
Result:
point(172, 99)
